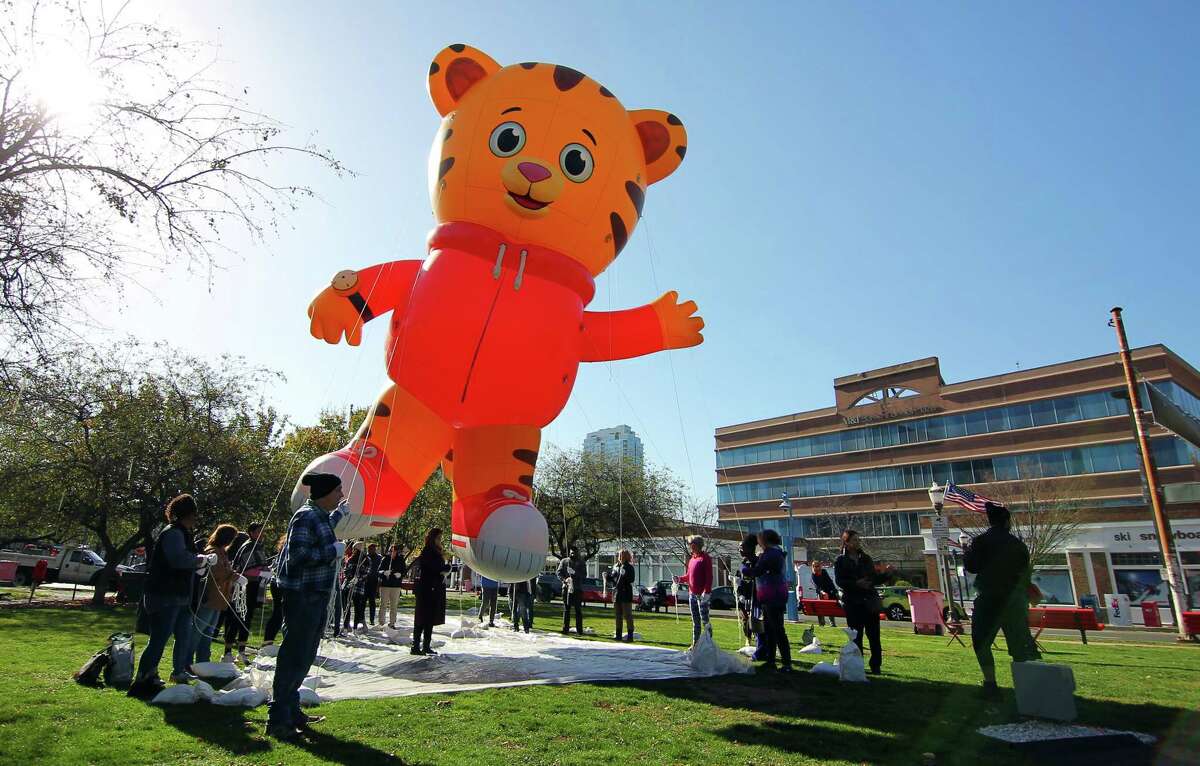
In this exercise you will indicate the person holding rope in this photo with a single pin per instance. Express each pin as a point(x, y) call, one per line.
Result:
point(749, 611)
point(771, 587)
point(250, 561)
point(218, 590)
point(857, 577)
point(571, 570)
point(167, 598)
point(699, 581)
point(306, 574)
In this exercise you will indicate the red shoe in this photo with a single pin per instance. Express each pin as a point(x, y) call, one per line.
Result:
point(500, 534)
point(375, 495)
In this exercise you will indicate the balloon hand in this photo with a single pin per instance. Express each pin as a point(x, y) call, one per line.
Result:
point(680, 326)
point(332, 313)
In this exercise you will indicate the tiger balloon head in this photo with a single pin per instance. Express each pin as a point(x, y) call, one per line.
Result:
point(544, 154)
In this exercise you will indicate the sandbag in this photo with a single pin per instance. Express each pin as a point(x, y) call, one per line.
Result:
point(825, 669)
point(223, 671)
point(270, 650)
point(850, 660)
point(707, 659)
point(204, 691)
point(180, 694)
point(241, 682)
point(248, 697)
point(813, 647)
point(308, 697)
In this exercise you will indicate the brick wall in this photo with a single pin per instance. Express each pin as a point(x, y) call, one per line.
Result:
point(1100, 572)
point(1079, 576)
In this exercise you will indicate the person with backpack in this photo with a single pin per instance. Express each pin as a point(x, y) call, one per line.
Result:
point(218, 590)
point(1000, 563)
point(167, 597)
point(391, 577)
point(306, 572)
point(250, 561)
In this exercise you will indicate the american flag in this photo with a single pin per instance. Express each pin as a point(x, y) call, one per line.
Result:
point(965, 497)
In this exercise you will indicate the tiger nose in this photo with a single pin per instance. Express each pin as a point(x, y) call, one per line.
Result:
point(533, 172)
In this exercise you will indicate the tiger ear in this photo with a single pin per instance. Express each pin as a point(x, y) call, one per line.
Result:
point(664, 141)
point(454, 71)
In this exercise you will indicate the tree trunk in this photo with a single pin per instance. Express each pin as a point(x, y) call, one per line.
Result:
point(107, 575)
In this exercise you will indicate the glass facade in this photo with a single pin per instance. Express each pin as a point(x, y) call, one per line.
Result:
point(1064, 409)
point(887, 524)
point(1100, 458)
point(1187, 401)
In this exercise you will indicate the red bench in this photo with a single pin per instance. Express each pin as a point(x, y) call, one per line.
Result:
point(1070, 618)
point(1191, 624)
point(822, 607)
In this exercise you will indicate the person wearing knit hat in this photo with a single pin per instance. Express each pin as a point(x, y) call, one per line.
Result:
point(307, 568)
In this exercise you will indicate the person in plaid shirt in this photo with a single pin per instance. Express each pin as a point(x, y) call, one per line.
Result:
point(306, 572)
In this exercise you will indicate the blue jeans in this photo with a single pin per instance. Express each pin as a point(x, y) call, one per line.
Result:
point(304, 614)
point(522, 610)
point(700, 618)
point(206, 630)
point(165, 621)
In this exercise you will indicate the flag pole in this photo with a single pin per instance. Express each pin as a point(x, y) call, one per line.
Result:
point(1162, 525)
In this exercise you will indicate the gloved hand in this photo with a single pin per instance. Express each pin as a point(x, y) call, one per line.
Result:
point(340, 548)
point(242, 581)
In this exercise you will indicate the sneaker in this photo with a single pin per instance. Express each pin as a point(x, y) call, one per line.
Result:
point(242, 658)
point(876, 671)
point(306, 721)
point(415, 650)
point(146, 688)
point(228, 657)
point(183, 678)
point(360, 627)
point(527, 630)
point(628, 639)
point(428, 652)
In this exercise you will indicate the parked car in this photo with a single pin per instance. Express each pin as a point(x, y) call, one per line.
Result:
point(549, 586)
point(896, 606)
point(592, 591)
point(79, 565)
point(723, 598)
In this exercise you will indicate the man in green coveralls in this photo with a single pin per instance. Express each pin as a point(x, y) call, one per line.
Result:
point(1000, 563)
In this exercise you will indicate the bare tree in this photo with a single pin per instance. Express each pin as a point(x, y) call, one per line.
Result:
point(1046, 515)
point(118, 153)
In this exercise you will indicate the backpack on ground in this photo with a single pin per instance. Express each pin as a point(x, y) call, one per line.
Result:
point(118, 671)
point(89, 674)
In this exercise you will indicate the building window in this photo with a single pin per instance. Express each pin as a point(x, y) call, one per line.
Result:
point(1169, 451)
point(1136, 559)
point(1055, 585)
point(1064, 409)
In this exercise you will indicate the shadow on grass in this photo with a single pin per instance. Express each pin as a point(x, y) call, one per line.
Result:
point(233, 732)
point(890, 720)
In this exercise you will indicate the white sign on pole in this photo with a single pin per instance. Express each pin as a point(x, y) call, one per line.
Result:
point(941, 530)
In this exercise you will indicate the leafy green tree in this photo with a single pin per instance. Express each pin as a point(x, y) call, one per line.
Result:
point(99, 441)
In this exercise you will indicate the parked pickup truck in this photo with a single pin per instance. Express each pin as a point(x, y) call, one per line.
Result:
point(74, 565)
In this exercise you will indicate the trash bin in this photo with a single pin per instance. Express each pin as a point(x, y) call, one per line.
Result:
point(1150, 614)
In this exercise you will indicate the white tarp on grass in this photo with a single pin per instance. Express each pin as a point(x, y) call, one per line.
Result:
point(378, 663)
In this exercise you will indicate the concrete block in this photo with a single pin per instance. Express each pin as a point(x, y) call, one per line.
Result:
point(1044, 690)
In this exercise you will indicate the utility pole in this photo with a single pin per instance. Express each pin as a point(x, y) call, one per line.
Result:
point(1162, 525)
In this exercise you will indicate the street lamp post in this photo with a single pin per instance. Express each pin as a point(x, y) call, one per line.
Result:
point(789, 572)
point(936, 495)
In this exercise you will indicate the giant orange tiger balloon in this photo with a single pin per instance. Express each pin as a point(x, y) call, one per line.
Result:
point(537, 178)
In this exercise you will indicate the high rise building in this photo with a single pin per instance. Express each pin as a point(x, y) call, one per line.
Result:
point(616, 443)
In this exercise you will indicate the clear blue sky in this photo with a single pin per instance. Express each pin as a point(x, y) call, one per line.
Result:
point(865, 184)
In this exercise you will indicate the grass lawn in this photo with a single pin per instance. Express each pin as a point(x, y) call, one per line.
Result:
point(926, 701)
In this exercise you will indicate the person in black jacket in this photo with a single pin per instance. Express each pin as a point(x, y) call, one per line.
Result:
point(749, 613)
point(621, 579)
point(373, 562)
point(855, 574)
point(391, 576)
point(1000, 563)
point(430, 592)
point(167, 597)
point(572, 570)
point(825, 587)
